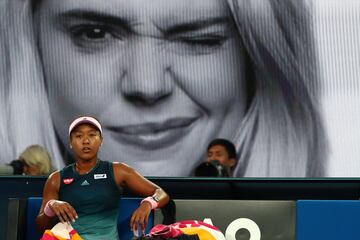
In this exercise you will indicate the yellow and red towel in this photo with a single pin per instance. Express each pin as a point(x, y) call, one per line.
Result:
point(61, 231)
point(190, 227)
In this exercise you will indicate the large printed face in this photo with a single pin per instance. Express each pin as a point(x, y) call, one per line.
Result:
point(164, 77)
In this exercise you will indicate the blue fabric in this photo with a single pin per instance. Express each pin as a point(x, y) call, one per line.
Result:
point(328, 220)
point(32, 210)
point(127, 207)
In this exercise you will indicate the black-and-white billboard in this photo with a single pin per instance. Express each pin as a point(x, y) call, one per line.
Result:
point(165, 77)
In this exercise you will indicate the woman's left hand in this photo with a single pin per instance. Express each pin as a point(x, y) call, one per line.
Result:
point(127, 177)
point(140, 216)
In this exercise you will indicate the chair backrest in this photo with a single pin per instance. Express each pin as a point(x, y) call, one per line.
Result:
point(127, 207)
point(328, 219)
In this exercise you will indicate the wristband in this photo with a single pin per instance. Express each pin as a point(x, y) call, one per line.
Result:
point(47, 210)
point(154, 204)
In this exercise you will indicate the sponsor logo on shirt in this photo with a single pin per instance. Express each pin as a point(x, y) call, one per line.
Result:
point(85, 183)
point(68, 180)
point(100, 176)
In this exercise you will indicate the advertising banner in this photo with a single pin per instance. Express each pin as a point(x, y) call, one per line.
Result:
point(241, 220)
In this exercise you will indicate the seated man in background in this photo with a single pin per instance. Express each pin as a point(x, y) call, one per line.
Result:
point(221, 159)
point(33, 161)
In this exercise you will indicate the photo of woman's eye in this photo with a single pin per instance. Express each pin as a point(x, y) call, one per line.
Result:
point(278, 79)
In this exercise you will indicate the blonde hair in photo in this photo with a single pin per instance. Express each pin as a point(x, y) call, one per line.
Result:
point(282, 134)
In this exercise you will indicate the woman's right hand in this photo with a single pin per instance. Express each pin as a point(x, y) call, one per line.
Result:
point(63, 210)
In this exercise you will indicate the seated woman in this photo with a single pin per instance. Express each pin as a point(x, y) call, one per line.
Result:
point(87, 192)
point(36, 161)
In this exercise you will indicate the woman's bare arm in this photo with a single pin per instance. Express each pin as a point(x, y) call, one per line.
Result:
point(51, 191)
point(62, 210)
point(135, 182)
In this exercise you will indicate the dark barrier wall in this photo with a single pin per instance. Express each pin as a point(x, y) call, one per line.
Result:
point(208, 188)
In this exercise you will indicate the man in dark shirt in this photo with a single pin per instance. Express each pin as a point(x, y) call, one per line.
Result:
point(221, 159)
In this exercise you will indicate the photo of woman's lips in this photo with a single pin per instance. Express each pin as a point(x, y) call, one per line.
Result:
point(153, 134)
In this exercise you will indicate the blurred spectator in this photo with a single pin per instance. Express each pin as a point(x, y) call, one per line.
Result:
point(221, 159)
point(33, 161)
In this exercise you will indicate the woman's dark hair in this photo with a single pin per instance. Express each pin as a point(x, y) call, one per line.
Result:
point(229, 146)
